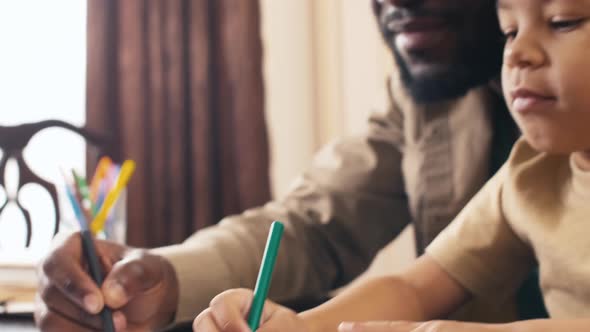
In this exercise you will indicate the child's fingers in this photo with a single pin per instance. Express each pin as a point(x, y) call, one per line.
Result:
point(281, 319)
point(229, 310)
point(205, 322)
point(384, 326)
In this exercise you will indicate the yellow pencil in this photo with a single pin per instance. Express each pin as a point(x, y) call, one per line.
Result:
point(104, 164)
point(127, 170)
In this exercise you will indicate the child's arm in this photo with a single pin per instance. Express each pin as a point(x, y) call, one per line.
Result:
point(548, 325)
point(581, 325)
point(424, 292)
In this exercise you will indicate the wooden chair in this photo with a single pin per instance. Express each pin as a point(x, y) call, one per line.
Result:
point(13, 140)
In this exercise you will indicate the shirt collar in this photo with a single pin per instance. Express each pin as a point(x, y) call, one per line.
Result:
point(580, 179)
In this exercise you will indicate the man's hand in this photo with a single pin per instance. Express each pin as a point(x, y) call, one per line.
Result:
point(140, 288)
point(433, 326)
point(228, 312)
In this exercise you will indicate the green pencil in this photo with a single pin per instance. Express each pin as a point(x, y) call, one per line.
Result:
point(265, 274)
point(84, 191)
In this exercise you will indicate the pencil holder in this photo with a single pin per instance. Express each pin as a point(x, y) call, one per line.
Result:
point(116, 225)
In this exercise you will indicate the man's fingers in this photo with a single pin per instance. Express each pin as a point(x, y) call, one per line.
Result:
point(63, 270)
point(69, 299)
point(205, 323)
point(52, 321)
point(137, 273)
point(49, 320)
point(229, 310)
point(56, 301)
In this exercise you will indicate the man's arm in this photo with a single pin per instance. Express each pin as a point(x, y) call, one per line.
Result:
point(340, 212)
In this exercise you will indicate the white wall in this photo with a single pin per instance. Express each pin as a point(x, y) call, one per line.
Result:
point(289, 86)
point(324, 66)
point(35, 88)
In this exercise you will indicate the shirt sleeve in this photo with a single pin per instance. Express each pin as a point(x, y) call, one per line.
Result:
point(348, 205)
point(480, 249)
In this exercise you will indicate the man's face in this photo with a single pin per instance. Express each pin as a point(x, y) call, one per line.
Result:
point(443, 47)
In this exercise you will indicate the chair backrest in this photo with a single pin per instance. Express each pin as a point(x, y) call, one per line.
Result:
point(13, 140)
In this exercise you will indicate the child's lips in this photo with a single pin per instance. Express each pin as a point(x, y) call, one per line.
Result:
point(526, 101)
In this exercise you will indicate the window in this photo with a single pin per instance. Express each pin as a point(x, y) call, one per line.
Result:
point(42, 76)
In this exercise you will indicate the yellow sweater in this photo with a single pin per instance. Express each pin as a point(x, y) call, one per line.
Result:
point(536, 209)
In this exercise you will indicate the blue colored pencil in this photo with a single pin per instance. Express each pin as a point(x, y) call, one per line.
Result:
point(90, 253)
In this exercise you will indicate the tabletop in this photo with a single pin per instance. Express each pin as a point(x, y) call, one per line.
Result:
point(17, 324)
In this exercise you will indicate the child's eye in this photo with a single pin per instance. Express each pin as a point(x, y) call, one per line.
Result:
point(509, 35)
point(563, 25)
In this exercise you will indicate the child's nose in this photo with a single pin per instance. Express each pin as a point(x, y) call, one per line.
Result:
point(524, 51)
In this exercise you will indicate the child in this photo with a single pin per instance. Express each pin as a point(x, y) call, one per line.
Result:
point(536, 210)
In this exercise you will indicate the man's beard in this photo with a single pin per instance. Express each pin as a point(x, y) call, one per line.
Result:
point(456, 79)
point(477, 60)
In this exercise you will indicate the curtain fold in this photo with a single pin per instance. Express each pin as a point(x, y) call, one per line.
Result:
point(177, 85)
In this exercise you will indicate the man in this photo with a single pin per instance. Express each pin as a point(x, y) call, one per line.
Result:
point(444, 133)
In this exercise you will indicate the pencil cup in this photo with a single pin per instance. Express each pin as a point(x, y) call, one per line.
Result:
point(116, 224)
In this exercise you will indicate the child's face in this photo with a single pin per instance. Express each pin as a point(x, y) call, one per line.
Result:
point(546, 71)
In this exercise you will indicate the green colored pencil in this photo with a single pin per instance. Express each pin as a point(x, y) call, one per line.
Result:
point(265, 274)
point(84, 191)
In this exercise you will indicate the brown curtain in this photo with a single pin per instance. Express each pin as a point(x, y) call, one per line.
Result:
point(177, 85)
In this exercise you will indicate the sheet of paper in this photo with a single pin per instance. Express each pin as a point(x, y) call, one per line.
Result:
point(16, 300)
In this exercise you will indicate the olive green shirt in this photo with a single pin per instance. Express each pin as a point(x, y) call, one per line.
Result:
point(415, 164)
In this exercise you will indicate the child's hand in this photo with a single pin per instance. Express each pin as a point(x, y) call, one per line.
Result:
point(433, 326)
point(228, 311)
